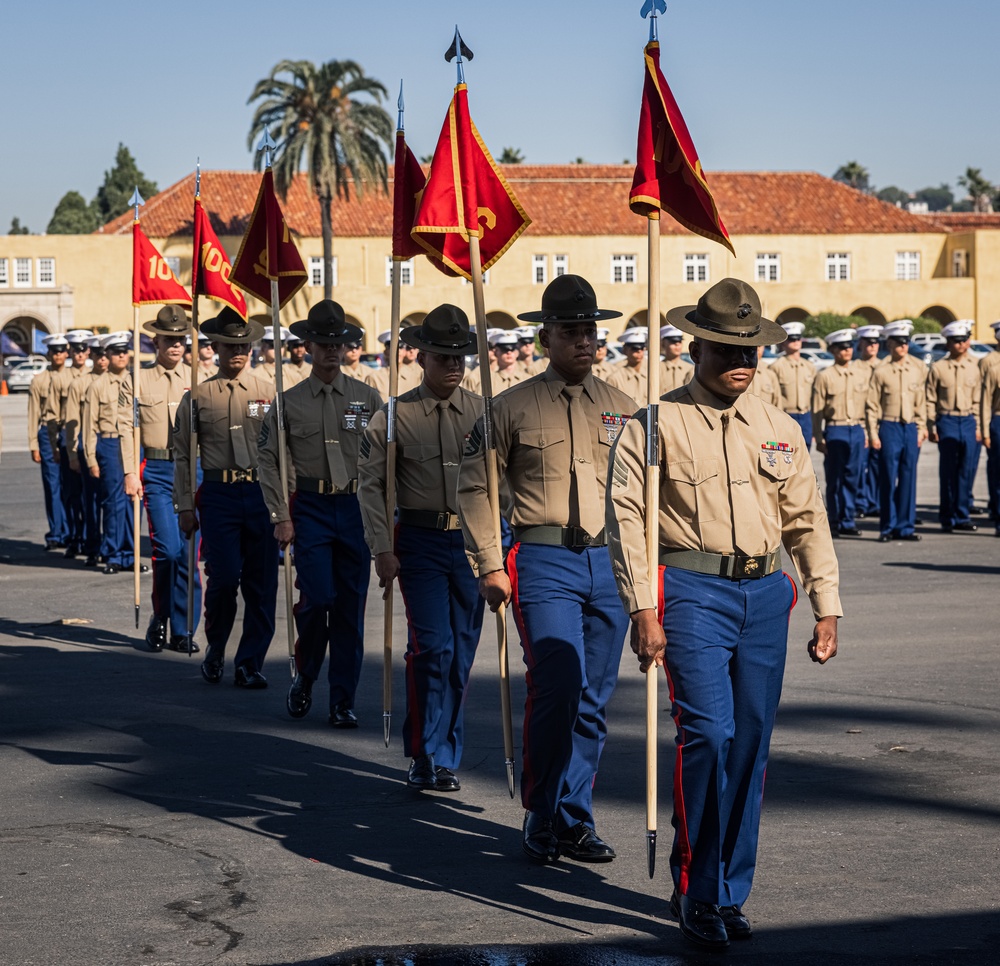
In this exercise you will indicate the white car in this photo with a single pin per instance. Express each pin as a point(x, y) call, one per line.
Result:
point(22, 373)
point(820, 358)
point(927, 340)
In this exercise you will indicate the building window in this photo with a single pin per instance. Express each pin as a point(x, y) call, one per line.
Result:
point(960, 263)
point(405, 271)
point(539, 269)
point(696, 268)
point(173, 263)
point(316, 272)
point(907, 266)
point(560, 265)
point(767, 267)
point(486, 278)
point(622, 269)
point(22, 273)
point(838, 267)
point(4, 276)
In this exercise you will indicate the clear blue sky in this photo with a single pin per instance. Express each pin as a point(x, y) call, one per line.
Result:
point(907, 88)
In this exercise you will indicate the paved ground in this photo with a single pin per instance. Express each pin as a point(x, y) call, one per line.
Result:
point(148, 818)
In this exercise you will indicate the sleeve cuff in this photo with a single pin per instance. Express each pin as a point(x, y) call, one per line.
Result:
point(638, 597)
point(826, 604)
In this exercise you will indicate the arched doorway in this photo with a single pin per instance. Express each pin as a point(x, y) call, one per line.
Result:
point(638, 320)
point(22, 335)
point(870, 315)
point(939, 314)
point(792, 314)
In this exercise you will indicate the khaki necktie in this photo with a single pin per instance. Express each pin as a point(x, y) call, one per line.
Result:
point(905, 399)
point(848, 394)
point(240, 452)
point(742, 505)
point(589, 504)
point(450, 455)
point(962, 405)
point(331, 442)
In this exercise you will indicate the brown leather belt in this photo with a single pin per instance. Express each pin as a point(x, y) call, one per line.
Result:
point(231, 476)
point(575, 537)
point(429, 519)
point(732, 566)
point(108, 436)
point(324, 487)
point(150, 453)
point(843, 422)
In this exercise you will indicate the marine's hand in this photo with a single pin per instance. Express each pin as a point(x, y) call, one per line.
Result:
point(36, 456)
point(648, 640)
point(95, 472)
point(187, 521)
point(820, 445)
point(133, 485)
point(494, 588)
point(284, 533)
point(387, 569)
point(876, 443)
point(823, 645)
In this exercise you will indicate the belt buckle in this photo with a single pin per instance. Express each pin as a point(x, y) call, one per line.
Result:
point(749, 568)
point(326, 488)
point(240, 476)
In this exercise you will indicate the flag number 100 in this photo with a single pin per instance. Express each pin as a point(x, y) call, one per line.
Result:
point(158, 268)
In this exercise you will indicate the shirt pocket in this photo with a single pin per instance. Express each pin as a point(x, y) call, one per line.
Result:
point(421, 452)
point(692, 490)
point(152, 410)
point(545, 454)
point(780, 471)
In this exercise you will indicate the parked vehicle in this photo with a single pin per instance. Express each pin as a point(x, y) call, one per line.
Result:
point(21, 374)
point(927, 340)
point(820, 358)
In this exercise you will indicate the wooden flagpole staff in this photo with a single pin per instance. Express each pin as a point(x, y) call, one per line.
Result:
point(135, 201)
point(193, 453)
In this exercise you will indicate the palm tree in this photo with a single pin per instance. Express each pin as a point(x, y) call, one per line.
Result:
point(853, 174)
point(511, 156)
point(980, 190)
point(330, 121)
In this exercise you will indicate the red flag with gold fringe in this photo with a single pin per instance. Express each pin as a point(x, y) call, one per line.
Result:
point(407, 184)
point(153, 280)
point(210, 268)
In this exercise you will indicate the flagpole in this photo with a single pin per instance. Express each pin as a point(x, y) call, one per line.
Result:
point(193, 452)
point(135, 201)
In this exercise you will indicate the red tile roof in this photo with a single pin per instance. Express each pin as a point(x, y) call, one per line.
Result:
point(569, 199)
point(965, 220)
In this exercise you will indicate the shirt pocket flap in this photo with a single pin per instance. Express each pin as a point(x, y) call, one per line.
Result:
point(692, 471)
point(776, 465)
point(303, 430)
point(541, 438)
point(421, 452)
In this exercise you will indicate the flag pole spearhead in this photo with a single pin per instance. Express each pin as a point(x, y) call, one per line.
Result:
point(652, 9)
point(399, 107)
point(136, 201)
point(197, 178)
point(266, 144)
point(458, 52)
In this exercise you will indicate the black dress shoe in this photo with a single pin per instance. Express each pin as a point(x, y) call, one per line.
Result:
point(143, 569)
point(111, 569)
point(211, 667)
point(885, 538)
point(965, 528)
point(179, 642)
point(849, 532)
point(91, 560)
point(699, 921)
point(583, 844)
point(421, 773)
point(299, 699)
point(54, 545)
point(539, 841)
point(447, 780)
point(247, 677)
point(71, 552)
point(737, 925)
point(342, 716)
point(910, 537)
point(156, 634)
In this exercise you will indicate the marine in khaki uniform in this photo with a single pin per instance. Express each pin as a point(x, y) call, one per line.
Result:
point(674, 371)
point(410, 374)
point(103, 458)
point(897, 426)
point(506, 372)
point(296, 368)
point(736, 483)
point(839, 395)
point(237, 542)
point(632, 377)
point(325, 419)
point(150, 474)
point(989, 368)
point(350, 360)
point(268, 356)
point(763, 383)
point(444, 611)
point(954, 390)
point(866, 358)
point(553, 437)
point(601, 367)
point(44, 411)
point(206, 358)
point(526, 344)
point(795, 376)
point(71, 483)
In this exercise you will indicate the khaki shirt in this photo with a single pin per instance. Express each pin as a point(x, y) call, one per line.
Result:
point(293, 374)
point(354, 403)
point(675, 374)
point(534, 366)
point(45, 395)
point(602, 369)
point(839, 396)
point(410, 376)
point(357, 371)
point(429, 444)
point(990, 361)
point(765, 385)
point(206, 372)
point(251, 395)
point(531, 425)
point(954, 388)
point(74, 414)
point(896, 392)
point(101, 412)
point(870, 364)
point(795, 378)
point(783, 504)
point(633, 382)
point(990, 399)
point(500, 380)
point(160, 393)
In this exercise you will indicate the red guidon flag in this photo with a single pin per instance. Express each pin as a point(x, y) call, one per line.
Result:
point(466, 194)
point(210, 268)
point(267, 252)
point(153, 281)
point(668, 174)
point(407, 184)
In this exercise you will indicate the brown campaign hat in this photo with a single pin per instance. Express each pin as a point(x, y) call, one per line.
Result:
point(728, 312)
point(170, 320)
point(569, 298)
point(326, 325)
point(229, 326)
point(445, 330)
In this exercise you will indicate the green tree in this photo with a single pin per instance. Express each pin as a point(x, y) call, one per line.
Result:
point(893, 195)
point(923, 323)
point(119, 183)
point(823, 323)
point(511, 156)
point(73, 216)
point(330, 121)
point(980, 190)
point(16, 228)
point(936, 199)
point(853, 174)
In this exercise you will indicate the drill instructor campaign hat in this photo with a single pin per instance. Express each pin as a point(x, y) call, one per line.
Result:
point(728, 312)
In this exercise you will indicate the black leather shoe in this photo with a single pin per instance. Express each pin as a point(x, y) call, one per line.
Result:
point(299, 699)
point(156, 634)
point(211, 667)
point(965, 528)
point(247, 677)
point(143, 569)
point(91, 560)
point(71, 552)
point(539, 841)
point(737, 925)
point(909, 537)
point(179, 642)
point(421, 774)
point(341, 716)
point(54, 545)
point(885, 538)
point(699, 921)
point(583, 844)
point(447, 780)
point(849, 532)
point(111, 569)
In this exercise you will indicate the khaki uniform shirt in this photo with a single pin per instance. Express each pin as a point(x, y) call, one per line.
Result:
point(430, 437)
point(602, 369)
point(500, 379)
point(990, 361)
point(101, 412)
point(795, 378)
point(534, 366)
point(357, 371)
point(990, 399)
point(292, 374)
point(354, 404)
point(160, 393)
point(633, 382)
point(839, 396)
point(896, 392)
point(410, 376)
point(954, 388)
point(74, 414)
point(765, 385)
point(265, 369)
point(534, 455)
point(224, 408)
point(45, 395)
point(206, 372)
point(698, 470)
point(870, 364)
point(675, 374)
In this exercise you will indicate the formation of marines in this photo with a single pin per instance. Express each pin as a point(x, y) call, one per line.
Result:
point(569, 432)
